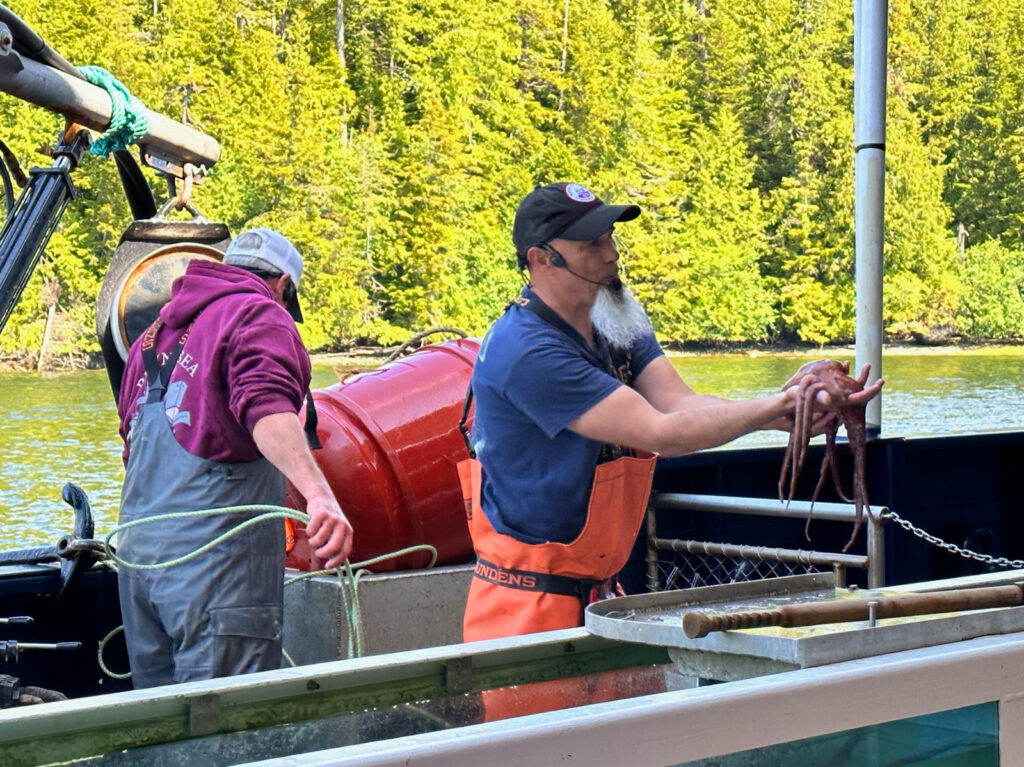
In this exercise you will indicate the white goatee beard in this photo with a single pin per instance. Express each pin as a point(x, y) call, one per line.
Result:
point(618, 316)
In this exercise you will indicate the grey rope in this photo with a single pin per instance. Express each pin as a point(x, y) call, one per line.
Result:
point(403, 348)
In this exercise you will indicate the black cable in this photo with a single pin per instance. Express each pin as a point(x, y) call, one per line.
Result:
point(8, 189)
point(28, 43)
point(140, 196)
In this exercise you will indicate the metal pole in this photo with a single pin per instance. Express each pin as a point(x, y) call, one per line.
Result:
point(168, 144)
point(763, 507)
point(876, 550)
point(652, 552)
point(839, 573)
point(869, 64)
point(29, 226)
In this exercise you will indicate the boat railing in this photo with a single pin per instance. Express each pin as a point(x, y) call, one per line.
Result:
point(954, 700)
point(747, 557)
point(951, 703)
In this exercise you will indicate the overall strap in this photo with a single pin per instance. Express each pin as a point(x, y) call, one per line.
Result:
point(612, 360)
point(601, 356)
point(157, 374)
point(622, 361)
point(463, 428)
point(311, 421)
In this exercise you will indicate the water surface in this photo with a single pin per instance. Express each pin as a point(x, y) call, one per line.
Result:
point(926, 393)
point(61, 428)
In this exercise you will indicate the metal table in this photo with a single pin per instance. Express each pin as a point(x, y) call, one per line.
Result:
point(656, 619)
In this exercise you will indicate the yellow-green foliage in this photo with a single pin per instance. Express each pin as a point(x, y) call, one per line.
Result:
point(394, 154)
point(992, 304)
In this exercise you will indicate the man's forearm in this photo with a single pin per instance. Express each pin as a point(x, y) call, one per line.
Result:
point(282, 441)
point(715, 422)
point(697, 401)
point(626, 418)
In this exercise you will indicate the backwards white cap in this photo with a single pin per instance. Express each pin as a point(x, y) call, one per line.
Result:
point(268, 251)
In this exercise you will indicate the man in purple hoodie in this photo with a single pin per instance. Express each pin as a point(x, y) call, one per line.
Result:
point(208, 407)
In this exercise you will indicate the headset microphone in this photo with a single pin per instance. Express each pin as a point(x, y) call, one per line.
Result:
point(615, 283)
point(557, 260)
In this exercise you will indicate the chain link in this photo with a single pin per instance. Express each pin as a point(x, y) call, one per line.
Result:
point(911, 528)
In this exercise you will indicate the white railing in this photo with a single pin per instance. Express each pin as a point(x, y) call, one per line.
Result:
point(673, 728)
point(873, 561)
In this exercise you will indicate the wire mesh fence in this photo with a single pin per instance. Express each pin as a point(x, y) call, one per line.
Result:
point(692, 564)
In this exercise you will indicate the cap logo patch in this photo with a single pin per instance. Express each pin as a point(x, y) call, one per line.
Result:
point(579, 193)
point(249, 241)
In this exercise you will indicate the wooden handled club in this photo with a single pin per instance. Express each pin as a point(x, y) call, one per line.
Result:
point(698, 624)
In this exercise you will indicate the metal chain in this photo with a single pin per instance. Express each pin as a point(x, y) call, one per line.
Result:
point(1015, 564)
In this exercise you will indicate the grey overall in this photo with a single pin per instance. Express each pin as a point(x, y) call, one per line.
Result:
point(218, 614)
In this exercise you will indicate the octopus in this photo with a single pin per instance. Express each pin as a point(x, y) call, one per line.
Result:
point(848, 399)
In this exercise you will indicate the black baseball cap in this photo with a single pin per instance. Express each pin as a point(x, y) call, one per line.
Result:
point(564, 210)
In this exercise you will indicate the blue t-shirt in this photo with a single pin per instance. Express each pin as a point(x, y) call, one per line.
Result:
point(530, 381)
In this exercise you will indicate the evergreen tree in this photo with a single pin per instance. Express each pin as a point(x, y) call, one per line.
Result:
point(393, 140)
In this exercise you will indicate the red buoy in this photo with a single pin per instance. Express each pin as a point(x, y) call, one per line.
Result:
point(391, 442)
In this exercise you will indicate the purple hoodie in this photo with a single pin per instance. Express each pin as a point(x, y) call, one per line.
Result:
point(243, 360)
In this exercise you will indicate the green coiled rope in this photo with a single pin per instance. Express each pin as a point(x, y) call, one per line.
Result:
point(348, 574)
point(128, 121)
point(266, 512)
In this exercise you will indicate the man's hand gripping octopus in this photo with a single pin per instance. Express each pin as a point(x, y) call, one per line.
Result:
point(825, 395)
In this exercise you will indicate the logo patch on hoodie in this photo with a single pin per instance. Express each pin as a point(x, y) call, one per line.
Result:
point(172, 404)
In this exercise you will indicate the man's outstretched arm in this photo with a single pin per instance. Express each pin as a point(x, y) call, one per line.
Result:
point(624, 417)
point(282, 441)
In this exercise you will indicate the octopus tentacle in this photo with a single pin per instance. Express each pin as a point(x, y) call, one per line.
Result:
point(801, 433)
point(830, 459)
point(786, 460)
point(805, 436)
point(832, 451)
point(794, 449)
point(855, 431)
point(832, 377)
point(797, 459)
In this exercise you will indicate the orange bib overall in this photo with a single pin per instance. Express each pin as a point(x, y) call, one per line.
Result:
point(521, 588)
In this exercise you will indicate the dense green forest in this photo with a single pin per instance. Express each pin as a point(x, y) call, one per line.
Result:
point(392, 140)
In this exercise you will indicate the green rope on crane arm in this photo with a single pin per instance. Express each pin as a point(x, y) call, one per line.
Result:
point(128, 121)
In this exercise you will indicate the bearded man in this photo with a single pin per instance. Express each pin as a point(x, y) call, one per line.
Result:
point(574, 399)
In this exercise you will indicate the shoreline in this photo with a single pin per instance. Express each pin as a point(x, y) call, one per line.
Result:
point(358, 358)
point(372, 357)
point(888, 350)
